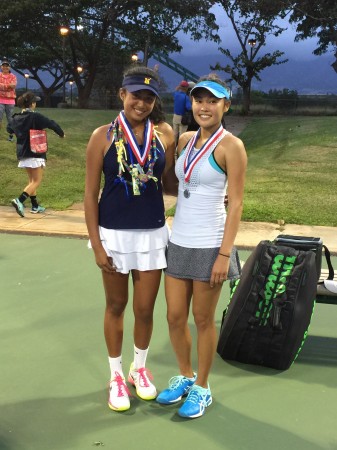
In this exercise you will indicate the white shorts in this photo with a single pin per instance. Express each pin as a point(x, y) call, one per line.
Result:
point(33, 163)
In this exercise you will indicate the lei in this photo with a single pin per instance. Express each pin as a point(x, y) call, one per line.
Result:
point(139, 162)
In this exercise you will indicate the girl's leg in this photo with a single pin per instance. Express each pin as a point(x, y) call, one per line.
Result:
point(116, 296)
point(178, 298)
point(34, 179)
point(205, 300)
point(145, 290)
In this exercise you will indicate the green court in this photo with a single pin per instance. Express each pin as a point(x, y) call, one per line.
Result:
point(54, 369)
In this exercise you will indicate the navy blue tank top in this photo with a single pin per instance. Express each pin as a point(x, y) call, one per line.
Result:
point(119, 208)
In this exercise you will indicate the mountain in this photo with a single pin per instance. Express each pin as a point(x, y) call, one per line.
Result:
point(311, 76)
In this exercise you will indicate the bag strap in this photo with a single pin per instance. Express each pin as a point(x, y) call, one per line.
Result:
point(328, 260)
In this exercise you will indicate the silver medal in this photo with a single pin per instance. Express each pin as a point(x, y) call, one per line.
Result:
point(186, 193)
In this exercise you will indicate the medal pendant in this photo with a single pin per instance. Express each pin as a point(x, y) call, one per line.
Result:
point(186, 193)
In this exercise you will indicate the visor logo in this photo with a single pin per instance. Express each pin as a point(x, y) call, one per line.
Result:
point(147, 80)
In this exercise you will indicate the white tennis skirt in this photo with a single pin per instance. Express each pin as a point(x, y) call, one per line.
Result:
point(33, 163)
point(136, 249)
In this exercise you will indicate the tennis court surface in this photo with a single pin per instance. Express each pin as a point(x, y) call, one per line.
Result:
point(54, 369)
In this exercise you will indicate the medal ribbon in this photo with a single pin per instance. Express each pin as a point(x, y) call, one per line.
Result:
point(191, 161)
point(130, 137)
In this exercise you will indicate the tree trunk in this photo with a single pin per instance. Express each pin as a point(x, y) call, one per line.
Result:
point(85, 90)
point(148, 40)
point(246, 99)
point(47, 100)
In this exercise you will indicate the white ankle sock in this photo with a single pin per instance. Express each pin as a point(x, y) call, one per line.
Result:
point(115, 366)
point(139, 358)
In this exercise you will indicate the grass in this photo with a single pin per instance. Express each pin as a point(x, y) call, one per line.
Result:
point(291, 171)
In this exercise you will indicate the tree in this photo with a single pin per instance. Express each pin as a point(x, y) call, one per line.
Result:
point(318, 18)
point(99, 30)
point(35, 25)
point(252, 22)
point(152, 26)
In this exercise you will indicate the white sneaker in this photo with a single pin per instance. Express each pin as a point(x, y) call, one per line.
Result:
point(140, 378)
point(118, 394)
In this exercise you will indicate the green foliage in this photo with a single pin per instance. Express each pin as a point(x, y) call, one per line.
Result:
point(284, 99)
point(318, 18)
point(102, 36)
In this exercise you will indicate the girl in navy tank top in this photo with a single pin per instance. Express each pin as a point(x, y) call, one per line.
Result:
point(126, 222)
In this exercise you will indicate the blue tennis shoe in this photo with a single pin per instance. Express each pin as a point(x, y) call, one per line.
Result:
point(179, 386)
point(196, 403)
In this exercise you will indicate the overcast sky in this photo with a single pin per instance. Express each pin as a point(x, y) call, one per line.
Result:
point(198, 56)
point(284, 42)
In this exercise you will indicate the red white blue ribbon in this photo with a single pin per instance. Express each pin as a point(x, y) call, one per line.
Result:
point(191, 160)
point(132, 141)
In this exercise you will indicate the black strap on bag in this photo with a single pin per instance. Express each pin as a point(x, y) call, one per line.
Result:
point(329, 263)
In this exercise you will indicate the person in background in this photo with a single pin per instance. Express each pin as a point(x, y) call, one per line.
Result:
point(193, 125)
point(8, 83)
point(181, 104)
point(201, 253)
point(126, 223)
point(20, 125)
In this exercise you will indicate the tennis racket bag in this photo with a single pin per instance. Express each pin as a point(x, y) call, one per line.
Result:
point(267, 318)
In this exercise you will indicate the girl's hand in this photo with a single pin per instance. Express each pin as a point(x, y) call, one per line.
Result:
point(104, 262)
point(219, 271)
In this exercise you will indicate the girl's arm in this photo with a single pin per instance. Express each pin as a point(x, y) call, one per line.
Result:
point(42, 122)
point(169, 179)
point(232, 156)
point(96, 148)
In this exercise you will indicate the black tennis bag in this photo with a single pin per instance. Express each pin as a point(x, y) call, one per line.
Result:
point(267, 318)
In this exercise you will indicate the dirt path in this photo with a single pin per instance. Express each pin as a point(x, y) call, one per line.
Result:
point(236, 124)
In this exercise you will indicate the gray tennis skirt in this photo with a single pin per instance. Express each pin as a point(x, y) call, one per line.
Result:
point(197, 263)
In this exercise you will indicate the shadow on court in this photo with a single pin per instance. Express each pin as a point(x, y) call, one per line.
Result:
point(54, 369)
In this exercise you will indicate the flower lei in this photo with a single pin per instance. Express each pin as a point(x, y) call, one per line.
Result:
point(140, 173)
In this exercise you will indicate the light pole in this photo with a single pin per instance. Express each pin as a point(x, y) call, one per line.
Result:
point(26, 76)
point(79, 69)
point(64, 32)
point(71, 93)
point(252, 43)
point(134, 58)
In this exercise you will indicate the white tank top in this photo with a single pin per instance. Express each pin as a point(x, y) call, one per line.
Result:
point(199, 220)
